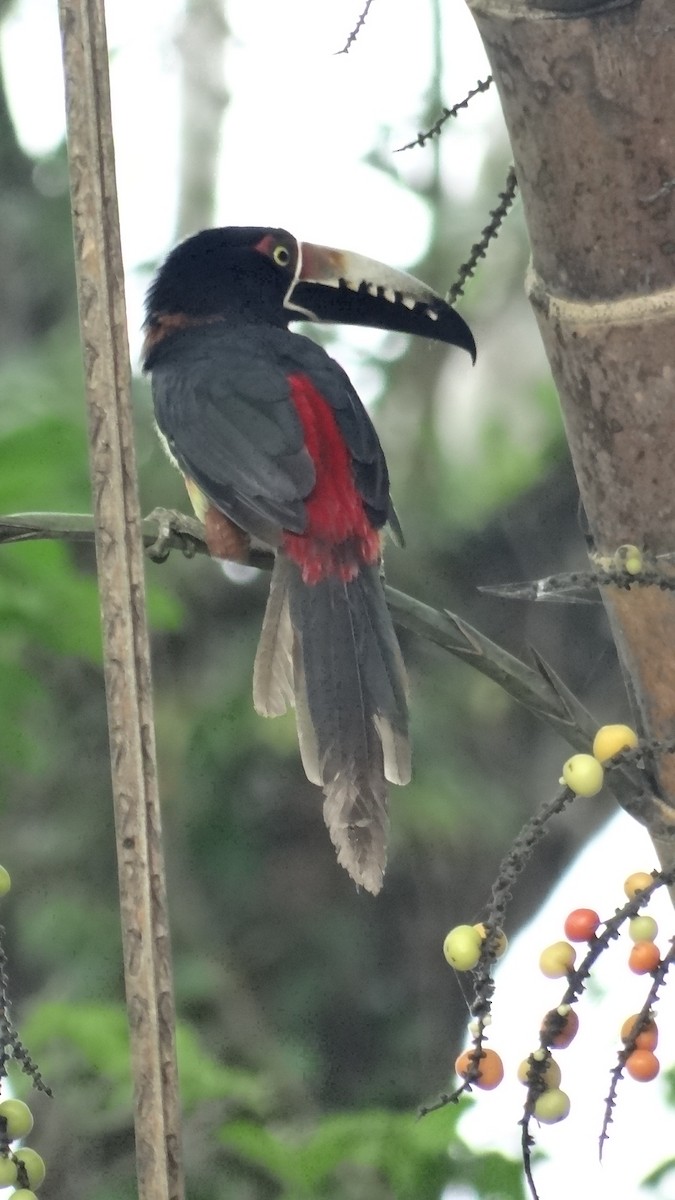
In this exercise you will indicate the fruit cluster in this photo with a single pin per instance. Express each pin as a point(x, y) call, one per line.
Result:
point(468, 947)
point(584, 774)
point(23, 1168)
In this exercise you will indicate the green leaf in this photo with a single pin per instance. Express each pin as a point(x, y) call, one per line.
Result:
point(657, 1176)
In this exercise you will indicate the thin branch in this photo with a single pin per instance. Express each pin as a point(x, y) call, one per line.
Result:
point(143, 909)
point(479, 249)
point(357, 29)
point(422, 138)
point(538, 687)
point(640, 1023)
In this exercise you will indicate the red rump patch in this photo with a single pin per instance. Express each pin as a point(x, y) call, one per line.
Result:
point(339, 537)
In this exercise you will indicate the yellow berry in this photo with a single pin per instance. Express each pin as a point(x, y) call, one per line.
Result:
point(5, 881)
point(462, 947)
point(501, 942)
point(583, 774)
point(629, 558)
point(637, 882)
point(612, 739)
point(552, 1106)
point(557, 960)
point(549, 1075)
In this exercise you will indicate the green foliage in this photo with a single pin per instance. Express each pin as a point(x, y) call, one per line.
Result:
point(656, 1178)
point(46, 601)
point(97, 1035)
point(374, 1153)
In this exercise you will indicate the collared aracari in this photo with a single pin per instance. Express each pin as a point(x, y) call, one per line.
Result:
point(276, 448)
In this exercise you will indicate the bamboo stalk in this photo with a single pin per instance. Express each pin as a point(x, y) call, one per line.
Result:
point(143, 904)
point(586, 100)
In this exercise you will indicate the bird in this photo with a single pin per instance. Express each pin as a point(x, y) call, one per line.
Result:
point(277, 450)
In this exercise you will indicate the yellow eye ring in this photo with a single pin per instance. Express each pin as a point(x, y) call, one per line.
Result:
point(281, 255)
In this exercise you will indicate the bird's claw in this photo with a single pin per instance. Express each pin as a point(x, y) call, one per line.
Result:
point(174, 531)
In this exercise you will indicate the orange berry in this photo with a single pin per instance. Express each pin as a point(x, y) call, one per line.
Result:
point(643, 958)
point(581, 925)
point(567, 1033)
point(612, 739)
point(637, 882)
point(643, 1065)
point(501, 942)
point(490, 1068)
point(646, 1039)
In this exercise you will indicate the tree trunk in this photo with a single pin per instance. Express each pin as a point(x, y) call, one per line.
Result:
point(589, 103)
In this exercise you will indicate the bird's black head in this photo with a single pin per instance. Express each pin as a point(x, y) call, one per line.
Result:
point(227, 272)
point(265, 276)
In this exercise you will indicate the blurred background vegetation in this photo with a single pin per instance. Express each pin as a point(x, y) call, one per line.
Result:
point(313, 1020)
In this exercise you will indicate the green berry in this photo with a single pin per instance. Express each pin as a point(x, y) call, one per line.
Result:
point(640, 929)
point(23, 1194)
point(629, 558)
point(7, 1171)
point(5, 881)
point(552, 1106)
point(33, 1165)
point(17, 1117)
point(462, 947)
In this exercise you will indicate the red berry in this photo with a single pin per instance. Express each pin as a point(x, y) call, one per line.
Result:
point(581, 925)
point(570, 1025)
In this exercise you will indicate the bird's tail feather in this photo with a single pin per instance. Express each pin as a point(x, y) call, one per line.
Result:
point(331, 647)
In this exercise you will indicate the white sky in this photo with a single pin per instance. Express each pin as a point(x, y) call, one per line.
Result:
point(299, 122)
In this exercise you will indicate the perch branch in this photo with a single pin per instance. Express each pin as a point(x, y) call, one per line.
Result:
point(537, 687)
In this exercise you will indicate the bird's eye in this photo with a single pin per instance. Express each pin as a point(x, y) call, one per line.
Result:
point(281, 255)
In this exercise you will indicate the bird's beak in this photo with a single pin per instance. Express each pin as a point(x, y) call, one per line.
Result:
point(348, 289)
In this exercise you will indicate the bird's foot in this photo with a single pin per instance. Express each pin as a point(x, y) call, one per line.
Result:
point(175, 531)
